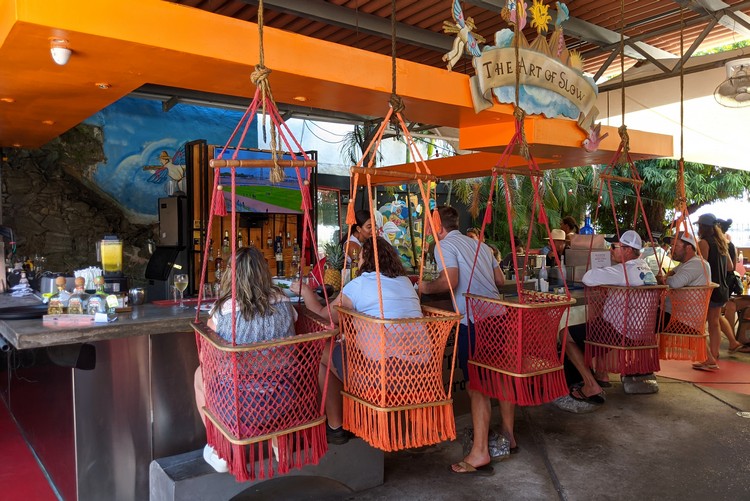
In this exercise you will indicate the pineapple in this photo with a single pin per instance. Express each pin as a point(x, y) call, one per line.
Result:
point(334, 264)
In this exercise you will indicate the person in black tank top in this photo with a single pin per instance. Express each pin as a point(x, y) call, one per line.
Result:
point(713, 247)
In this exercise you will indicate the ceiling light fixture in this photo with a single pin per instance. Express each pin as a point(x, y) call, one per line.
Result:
point(301, 99)
point(7, 99)
point(60, 51)
point(103, 85)
point(48, 122)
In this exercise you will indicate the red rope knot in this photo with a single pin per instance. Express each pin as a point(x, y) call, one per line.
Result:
point(520, 115)
point(260, 75)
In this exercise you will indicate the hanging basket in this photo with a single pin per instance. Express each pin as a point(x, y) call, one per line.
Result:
point(621, 324)
point(684, 336)
point(263, 396)
point(394, 394)
point(515, 355)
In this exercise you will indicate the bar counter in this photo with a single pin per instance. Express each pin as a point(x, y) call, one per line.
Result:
point(98, 403)
point(143, 319)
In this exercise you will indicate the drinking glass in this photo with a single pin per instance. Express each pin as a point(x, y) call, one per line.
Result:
point(181, 283)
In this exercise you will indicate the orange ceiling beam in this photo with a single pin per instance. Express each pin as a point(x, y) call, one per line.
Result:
point(128, 44)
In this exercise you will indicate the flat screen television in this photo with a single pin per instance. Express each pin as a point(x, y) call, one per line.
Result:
point(255, 193)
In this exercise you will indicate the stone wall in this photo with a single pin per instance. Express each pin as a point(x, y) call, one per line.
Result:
point(57, 212)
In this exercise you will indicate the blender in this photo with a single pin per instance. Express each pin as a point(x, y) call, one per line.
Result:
point(110, 252)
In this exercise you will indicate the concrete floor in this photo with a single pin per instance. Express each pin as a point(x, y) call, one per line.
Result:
point(685, 442)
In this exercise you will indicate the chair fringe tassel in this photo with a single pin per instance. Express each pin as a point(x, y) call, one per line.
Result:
point(397, 429)
point(531, 390)
point(627, 362)
point(295, 449)
point(682, 347)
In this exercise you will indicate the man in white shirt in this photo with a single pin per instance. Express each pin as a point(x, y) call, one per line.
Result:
point(693, 271)
point(458, 252)
point(629, 270)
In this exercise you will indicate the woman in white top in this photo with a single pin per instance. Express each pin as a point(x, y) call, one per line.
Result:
point(400, 300)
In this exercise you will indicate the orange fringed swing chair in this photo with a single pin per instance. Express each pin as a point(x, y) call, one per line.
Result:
point(263, 403)
point(684, 336)
point(394, 395)
point(514, 357)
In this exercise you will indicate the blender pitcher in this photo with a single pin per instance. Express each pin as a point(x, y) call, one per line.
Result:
point(111, 255)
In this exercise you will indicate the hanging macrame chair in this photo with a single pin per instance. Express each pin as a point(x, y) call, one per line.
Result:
point(514, 357)
point(394, 393)
point(263, 403)
point(621, 321)
point(684, 336)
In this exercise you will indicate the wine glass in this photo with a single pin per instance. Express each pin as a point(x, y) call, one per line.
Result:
point(181, 283)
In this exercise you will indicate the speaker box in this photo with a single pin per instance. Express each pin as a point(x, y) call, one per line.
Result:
point(173, 221)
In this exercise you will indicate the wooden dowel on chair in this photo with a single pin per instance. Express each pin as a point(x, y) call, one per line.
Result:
point(393, 173)
point(217, 164)
point(621, 179)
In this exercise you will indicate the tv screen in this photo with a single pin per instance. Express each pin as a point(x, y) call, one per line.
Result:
point(255, 193)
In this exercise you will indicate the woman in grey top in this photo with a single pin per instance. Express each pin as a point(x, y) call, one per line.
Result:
point(262, 313)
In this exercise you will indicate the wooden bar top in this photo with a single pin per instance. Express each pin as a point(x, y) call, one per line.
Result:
point(142, 320)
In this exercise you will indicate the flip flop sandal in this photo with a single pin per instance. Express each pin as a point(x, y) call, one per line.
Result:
point(481, 471)
point(577, 394)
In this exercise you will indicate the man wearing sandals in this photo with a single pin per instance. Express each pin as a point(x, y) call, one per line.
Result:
point(482, 445)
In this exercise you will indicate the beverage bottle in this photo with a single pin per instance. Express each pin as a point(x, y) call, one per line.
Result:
point(543, 276)
point(269, 240)
point(240, 241)
point(288, 239)
point(562, 268)
point(79, 299)
point(355, 265)
point(98, 300)
point(295, 258)
point(210, 249)
point(58, 302)
point(279, 254)
point(225, 247)
point(587, 228)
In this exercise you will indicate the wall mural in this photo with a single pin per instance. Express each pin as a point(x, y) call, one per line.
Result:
point(145, 149)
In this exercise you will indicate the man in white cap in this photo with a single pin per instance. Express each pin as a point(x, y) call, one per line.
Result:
point(693, 271)
point(585, 396)
point(557, 241)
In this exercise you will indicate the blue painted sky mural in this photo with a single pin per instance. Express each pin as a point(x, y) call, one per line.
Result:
point(144, 147)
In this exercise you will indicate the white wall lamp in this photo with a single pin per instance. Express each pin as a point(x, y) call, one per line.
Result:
point(60, 51)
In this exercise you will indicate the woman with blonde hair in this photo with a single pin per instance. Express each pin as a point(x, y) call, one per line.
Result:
point(262, 313)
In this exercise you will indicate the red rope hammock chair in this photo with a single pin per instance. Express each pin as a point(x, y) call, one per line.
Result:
point(515, 357)
point(394, 395)
point(622, 320)
point(263, 402)
point(684, 336)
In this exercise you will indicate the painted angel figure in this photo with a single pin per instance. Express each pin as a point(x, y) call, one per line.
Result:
point(170, 168)
point(509, 14)
point(466, 39)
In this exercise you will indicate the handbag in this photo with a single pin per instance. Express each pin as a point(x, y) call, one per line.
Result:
point(734, 283)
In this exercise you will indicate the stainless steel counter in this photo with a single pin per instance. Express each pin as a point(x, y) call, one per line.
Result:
point(96, 431)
